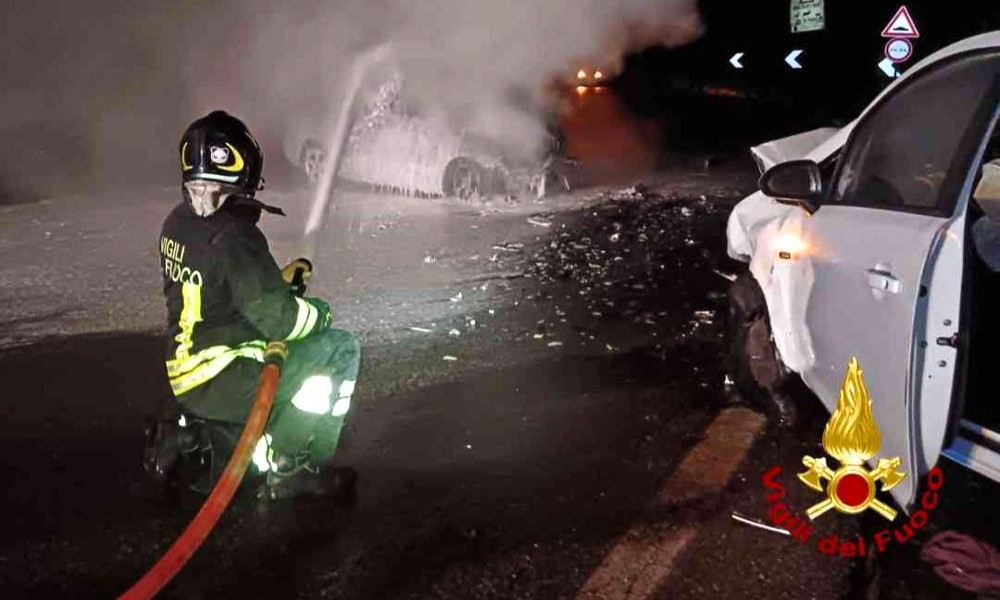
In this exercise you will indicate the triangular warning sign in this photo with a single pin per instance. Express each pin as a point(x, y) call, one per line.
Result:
point(901, 25)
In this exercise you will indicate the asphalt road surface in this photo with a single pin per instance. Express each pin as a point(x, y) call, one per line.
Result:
point(541, 412)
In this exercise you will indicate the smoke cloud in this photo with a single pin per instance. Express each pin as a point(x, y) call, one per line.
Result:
point(97, 93)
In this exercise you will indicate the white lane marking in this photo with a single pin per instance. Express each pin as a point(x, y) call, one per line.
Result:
point(641, 561)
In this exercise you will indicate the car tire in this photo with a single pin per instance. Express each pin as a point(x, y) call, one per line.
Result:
point(757, 372)
point(464, 179)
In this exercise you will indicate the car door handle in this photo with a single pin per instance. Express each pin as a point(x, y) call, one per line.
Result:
point(883, 280)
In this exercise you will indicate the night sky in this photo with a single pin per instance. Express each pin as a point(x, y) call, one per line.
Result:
point(839, 74)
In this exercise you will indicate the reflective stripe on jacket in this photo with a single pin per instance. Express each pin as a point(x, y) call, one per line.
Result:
point(224, 294)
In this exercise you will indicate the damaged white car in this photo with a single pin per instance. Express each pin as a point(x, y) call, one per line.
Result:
point(881, 240)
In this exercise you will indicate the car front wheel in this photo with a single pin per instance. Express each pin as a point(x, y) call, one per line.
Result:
point(752, 358)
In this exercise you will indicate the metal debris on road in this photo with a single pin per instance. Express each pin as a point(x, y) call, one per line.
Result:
point(454, 333)
point(421, 330)
point(457, 297)
point(554, 344)
point(725, 276)
point(759, 525)
point(705, 316)
point(539, 222)
point(538, 336)
point(449, 358)
point(636, 192)
point(508, 246)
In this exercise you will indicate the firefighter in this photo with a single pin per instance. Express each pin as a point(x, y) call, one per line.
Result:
point(226, 297)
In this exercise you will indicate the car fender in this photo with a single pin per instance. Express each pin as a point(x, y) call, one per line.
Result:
point(746, 221)
point(784, 271)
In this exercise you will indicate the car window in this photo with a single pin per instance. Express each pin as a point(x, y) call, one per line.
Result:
point(986, 188)
point(901, 154)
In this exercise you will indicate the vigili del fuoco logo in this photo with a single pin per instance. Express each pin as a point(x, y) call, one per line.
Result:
point(851, 437)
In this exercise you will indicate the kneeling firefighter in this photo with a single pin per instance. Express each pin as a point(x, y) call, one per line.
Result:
point(226, 298)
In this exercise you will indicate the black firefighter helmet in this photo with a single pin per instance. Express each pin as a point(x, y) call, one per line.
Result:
point(219, 147)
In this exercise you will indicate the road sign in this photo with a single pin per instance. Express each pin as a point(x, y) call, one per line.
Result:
point(888, 67)
point(735, 60)
point(807, 15)
point(898, 50)
point(793, 59)
point(901, 25)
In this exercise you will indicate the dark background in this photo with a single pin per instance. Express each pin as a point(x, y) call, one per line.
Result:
point(839, 73)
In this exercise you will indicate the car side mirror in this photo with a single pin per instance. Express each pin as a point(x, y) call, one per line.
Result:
point(796, 182)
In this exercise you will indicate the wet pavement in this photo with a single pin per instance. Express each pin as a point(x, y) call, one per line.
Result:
point(535, 377)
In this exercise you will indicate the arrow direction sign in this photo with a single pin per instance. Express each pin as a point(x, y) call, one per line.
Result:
point(887, 67)
point(793, 59)
point(735, 60)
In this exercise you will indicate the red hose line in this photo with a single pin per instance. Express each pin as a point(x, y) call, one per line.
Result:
point(203, 523)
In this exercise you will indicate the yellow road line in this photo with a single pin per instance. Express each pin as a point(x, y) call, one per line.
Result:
point(641, 561)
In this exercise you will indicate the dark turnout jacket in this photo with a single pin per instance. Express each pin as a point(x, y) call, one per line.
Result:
point(224, 292)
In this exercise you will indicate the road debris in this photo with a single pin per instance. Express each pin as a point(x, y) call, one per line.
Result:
point(454, 333)
point(705, 316)
point(421, 330)
point(758, 524)
point(636, 192)
point(539, 223)
point(554, 344)
point(725, 276)
point(449, 358)
point(457, 297)
point(429, 259)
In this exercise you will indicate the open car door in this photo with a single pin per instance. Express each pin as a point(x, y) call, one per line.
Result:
point(886, 247)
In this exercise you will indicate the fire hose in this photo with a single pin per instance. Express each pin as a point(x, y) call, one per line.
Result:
point(174, 559)
point(197, 531)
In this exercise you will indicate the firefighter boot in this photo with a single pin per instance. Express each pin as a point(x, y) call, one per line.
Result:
point(296, 477)
point(167, 438)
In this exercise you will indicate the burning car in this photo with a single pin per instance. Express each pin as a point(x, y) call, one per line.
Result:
point(880, 240)
point(392, 147)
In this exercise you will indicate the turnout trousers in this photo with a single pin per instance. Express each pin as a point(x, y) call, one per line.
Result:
point(310, 406)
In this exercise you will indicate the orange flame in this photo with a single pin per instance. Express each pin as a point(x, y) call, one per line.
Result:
point(851, 435)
